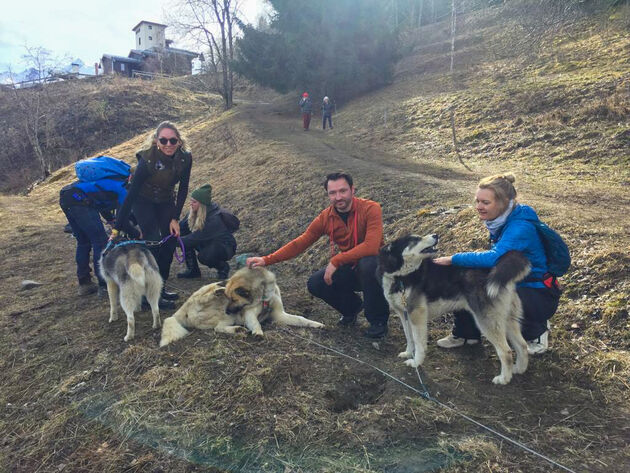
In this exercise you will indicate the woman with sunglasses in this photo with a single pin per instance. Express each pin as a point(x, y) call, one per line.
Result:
point(163, 163)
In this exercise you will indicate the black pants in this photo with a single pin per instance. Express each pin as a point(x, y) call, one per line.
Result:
point(324, 118)
point(342, 295)
point(154, 220)
point(538, 307)
point(211, 253)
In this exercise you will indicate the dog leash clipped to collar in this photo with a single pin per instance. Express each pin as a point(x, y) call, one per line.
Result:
point(180, 259)
point(111, 245)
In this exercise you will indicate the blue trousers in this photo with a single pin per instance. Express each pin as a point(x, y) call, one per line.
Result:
point(324, 118)
point(347, 281)
point(90, 234)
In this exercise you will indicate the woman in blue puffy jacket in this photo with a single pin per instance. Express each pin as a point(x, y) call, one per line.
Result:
point(511, 227)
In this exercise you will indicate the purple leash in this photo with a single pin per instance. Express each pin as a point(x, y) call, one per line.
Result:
point(182, 258)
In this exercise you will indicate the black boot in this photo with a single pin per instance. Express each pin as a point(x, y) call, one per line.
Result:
point(192, 267)
point(169, 296)
point(223, 270)
point(162, 304)
point(378, 330)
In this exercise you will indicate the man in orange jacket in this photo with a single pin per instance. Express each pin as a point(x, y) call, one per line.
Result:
point(355, 227)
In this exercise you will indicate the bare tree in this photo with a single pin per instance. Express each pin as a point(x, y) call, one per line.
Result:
point(28, 99)
point(211, 24)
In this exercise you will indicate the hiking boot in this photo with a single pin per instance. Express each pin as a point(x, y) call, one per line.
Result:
point(190, 273)
point(376, 331)
point(102, 291)
point(455, 342)
point(87, 288)
point(169, 296)
point(165, 304)
point(192, 266)
point(539, 345)
point(347, 320)
point(223, 270)
point(162, 304)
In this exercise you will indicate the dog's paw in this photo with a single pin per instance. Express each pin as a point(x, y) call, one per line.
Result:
point(157, 324)
point(405, 354)
point(413, 363)
point(316, 324)
point(501, 379)
point(128, 337)
point(519, 368)
point(258, 333)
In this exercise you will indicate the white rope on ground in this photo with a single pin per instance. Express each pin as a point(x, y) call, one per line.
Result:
point(429, 397)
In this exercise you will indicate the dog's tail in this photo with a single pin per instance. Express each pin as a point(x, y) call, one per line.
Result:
point(136, 271)
point(510, 269)
point(172, 330)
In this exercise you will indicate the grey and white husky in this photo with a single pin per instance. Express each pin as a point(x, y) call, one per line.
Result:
point(131, 272)
point(418, 290)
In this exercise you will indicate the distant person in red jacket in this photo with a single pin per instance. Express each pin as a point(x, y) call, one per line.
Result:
point(355, 227)
point(306, 107)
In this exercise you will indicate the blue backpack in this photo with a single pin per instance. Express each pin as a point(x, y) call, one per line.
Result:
point(102, 167)
point(556, 250)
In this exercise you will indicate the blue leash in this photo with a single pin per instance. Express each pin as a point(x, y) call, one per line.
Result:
point(111, 245)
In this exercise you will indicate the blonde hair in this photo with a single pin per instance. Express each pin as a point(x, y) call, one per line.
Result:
point(502, 185)
point(197, 219)
point(151, 140)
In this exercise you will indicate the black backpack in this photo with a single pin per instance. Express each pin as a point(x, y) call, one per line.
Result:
point(230, 220)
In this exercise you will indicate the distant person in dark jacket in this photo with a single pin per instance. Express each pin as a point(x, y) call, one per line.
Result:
point(306, 107)
point(206, 236)
point(327, 110)
point(84, 203)
point(165, 162)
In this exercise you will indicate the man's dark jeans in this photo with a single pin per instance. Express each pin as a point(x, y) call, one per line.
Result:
point(90, 234)
point(342, 295)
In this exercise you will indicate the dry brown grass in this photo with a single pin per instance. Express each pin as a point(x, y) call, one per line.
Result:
point(75, 397)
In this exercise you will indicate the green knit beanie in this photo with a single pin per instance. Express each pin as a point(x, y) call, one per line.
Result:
point(203, 194)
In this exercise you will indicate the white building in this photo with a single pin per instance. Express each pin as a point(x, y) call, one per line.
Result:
point(149, 34)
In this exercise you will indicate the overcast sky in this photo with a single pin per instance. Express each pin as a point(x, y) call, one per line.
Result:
point(83, 29)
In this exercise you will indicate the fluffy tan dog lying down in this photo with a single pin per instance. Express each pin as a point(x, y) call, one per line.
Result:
point(249, 297)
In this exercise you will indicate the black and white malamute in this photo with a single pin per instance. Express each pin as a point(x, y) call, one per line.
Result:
point(131, 271)
point(418, 290)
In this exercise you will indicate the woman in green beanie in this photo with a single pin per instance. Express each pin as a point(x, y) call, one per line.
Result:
point(206, 236)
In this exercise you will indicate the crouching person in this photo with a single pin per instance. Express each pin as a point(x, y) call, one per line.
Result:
point(205, 235)
point(355, 227)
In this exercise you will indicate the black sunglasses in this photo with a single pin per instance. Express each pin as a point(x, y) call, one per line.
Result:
point(172, 141)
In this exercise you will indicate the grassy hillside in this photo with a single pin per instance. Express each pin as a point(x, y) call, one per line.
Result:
point(75, 397)
point(75, 119)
